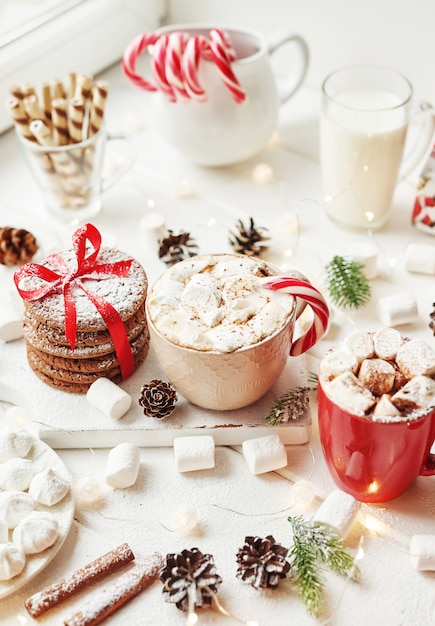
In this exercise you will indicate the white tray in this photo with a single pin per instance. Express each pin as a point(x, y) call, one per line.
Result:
point(65, 420)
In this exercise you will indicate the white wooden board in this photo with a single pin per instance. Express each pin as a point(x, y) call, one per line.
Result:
point(66, 420)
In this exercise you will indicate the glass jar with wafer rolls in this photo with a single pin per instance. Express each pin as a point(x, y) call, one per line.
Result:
point(63, 136)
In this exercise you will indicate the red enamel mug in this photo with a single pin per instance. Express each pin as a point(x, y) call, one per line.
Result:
point(374, 461)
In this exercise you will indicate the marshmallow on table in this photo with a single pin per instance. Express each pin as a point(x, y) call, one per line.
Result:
point(367, 255)
point(420, 258)
point(422, 552)
point(264, 454)
point(122, 467)
point(399, 308)
point(153, 227)
point(11, 323)
point(194, 453)
point(109, 398)
point(337, 513)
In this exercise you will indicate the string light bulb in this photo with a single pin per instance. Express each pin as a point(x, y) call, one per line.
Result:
point(184, 189)
point(16, 417)
point(262, 174)
point(186, 520)
point(302, 494)
point(88, 491)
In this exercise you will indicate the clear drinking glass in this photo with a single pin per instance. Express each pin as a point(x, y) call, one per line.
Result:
point(364, 122)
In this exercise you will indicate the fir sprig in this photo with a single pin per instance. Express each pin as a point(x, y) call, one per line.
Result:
point(291, 404)
point(313, 546)
point(347, 284)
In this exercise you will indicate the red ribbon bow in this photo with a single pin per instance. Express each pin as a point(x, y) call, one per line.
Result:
point(64, 279)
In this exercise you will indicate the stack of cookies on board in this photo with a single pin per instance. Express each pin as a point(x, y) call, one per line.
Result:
point(49, 352)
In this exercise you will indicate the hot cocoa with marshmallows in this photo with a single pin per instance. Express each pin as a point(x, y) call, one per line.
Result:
point(381, 375)
point(217, 303)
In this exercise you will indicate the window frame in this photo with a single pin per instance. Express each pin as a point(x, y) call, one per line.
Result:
point(86, 38)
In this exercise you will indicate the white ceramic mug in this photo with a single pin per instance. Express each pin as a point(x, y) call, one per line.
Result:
point(221, 379)
point(220, 131)
point(366, 112)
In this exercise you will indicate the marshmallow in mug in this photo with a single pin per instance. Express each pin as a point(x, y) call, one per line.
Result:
point(381, 375)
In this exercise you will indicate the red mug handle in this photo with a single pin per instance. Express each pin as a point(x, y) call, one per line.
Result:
point(429, 466)
point(301, 288)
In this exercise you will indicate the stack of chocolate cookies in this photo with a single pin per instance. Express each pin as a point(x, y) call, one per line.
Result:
point(49, 352)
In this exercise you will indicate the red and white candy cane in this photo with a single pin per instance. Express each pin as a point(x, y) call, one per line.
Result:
point(174, 72)
point(222, 57)
point(130, 57)
point(158, 68)
point(190, 64)
point(302, 289)
point(175, 60)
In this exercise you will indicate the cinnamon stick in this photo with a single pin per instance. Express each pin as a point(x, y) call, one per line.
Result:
point(50, 596)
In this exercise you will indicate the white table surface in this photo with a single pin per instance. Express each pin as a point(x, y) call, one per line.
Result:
point(229, 501)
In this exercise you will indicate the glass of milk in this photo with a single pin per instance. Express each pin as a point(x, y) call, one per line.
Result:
point(364, 122)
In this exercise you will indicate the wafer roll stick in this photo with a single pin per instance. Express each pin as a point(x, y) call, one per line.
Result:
point(21, 121)
point(16, 91)
point(27, 89)
point(58, 89)
point(59, 118)
point(71, 177)
point(72, 79)
point(46, 100)
point(40, 602)
point(83, 92)
point(33, 108)
point(76, 116)
point(100, 91)
point(111, 598)
point(19, 116)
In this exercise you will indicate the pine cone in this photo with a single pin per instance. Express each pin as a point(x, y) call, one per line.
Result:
point(17, 246)
point(432, 318)
point(189, 573)
point(175, 248)
point(262, 562)
point(157, 398)
point(248, 240)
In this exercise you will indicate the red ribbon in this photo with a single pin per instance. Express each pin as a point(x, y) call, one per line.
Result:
point(64, 279)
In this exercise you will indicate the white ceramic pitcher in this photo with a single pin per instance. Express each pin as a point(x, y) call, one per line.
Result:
point(221, 131)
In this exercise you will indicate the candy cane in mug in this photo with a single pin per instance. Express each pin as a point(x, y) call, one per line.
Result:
point(302, 289)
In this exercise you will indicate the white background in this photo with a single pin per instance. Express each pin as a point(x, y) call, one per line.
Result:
point(339, 32)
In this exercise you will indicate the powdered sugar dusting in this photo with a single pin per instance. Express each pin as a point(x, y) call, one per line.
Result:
point(50, 596)
point(126, 294)
point(123, 589)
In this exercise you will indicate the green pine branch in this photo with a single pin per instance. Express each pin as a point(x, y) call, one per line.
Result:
point(347, 284)
point(313, 548)
point(291, 404)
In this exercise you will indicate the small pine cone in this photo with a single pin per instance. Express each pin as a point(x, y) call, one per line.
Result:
point(189, 574)
point(17, 246)
point(158, 398)
point(248, 240)
point(432, 319)
point(262, 562)
point(175, 248)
